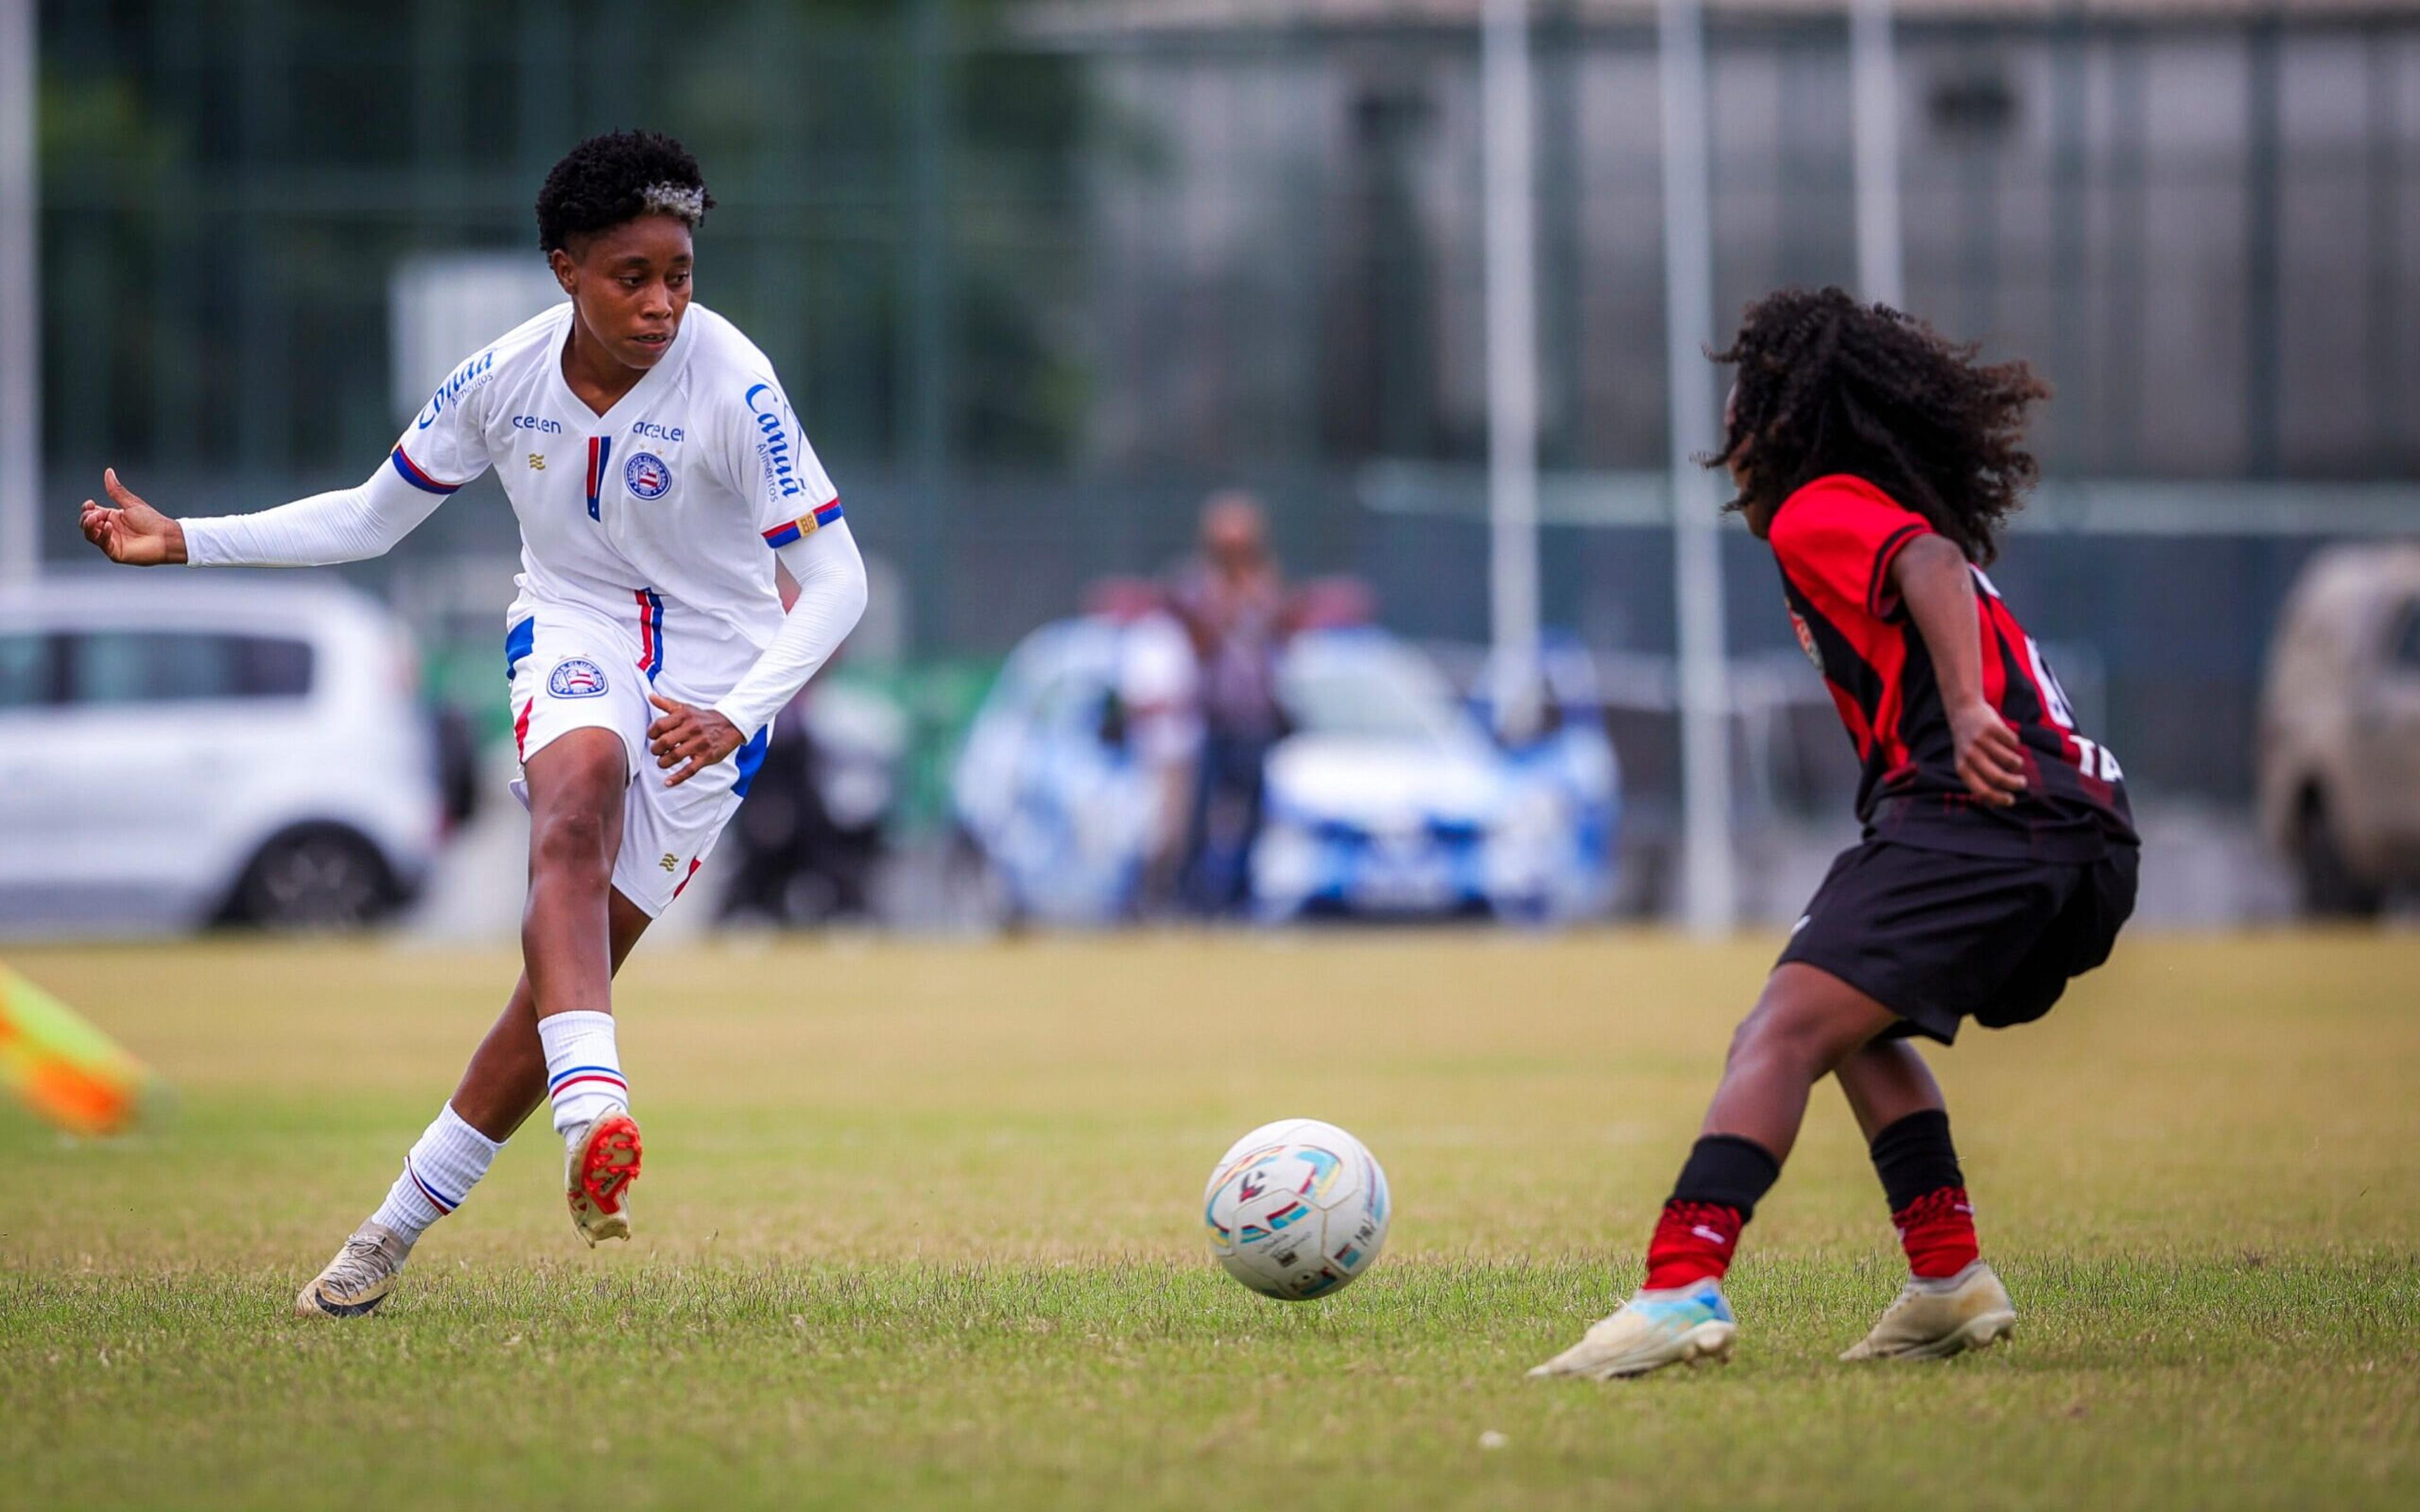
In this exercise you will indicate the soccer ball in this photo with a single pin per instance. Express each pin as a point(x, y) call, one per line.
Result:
point(1296, 1209)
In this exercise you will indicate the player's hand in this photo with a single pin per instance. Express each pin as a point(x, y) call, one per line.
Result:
point(689, 739)
point(1990, 757)
point(134, 532)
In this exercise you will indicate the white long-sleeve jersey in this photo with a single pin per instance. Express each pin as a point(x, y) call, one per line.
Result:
point(661, 510)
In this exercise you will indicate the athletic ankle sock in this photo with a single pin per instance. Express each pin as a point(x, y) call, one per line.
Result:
point(1937, 1230)
point(1725, 1178)
point(438, 1174)
point(1927, 1192)
point(584, 1069)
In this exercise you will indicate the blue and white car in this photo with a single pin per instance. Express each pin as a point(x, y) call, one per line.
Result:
point(1389, 797)
point(1047, 789)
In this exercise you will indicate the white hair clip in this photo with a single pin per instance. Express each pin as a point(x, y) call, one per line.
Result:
point(674, 199)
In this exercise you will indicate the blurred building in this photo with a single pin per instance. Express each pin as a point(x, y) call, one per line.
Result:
point(2199, 217)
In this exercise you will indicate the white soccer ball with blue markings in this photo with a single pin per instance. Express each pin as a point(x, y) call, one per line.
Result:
point(1296, 1209)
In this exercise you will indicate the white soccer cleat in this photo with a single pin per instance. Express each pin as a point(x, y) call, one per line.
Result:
point(600, 1160)
point(360, 1277)
point(1652, 1330)
point(1935, 1319)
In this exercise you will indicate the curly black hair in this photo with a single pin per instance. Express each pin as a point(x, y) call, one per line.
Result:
point(1827, 385)
point(608, 180)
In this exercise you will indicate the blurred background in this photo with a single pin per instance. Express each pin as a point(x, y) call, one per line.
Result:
point(1260, 417)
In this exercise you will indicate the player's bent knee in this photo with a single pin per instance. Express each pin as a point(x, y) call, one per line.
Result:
point(1803, 1028)
point(574, 836)
point(580, 795)
point(573, 844)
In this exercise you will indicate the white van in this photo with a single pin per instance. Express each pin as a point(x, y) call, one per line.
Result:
point(2339, 736)
point(178, 751)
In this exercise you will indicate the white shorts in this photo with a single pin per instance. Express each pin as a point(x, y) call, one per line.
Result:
point(575, 669)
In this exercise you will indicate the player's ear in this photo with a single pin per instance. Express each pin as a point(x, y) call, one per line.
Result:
point(564, 268)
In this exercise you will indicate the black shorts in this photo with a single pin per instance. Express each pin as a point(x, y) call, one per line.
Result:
point(1937, 937)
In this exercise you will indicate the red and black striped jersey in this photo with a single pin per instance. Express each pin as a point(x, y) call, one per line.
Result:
point(1835, 539)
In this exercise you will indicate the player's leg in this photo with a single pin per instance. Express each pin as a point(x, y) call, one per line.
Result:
point(505, 1080)
point(1805, 1023)
point(1886, 1080)
point(579, 793)
point(1951, 1300)
point(502, 1084)
point(1900, 1110)
point(641, 863)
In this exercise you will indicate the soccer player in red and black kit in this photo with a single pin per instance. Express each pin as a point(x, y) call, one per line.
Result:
point(1879, 461)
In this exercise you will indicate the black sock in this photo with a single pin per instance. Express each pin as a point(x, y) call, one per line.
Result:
point(1914, 1157)
point(1728, 1171)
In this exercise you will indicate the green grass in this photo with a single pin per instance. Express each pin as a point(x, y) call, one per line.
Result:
point(919, 1226)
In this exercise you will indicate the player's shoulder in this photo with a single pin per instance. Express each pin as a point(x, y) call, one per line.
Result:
point(729, 377)
point(535, 338)
point(500, 361)
point(724, 353)
point(1835, 502)
point(503, 355)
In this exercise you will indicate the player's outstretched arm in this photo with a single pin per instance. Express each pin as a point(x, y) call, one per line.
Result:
point(1938, 589)
point(830, 575)
point(134, 532)
point(346, 525)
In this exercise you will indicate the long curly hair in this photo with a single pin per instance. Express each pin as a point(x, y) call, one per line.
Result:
point(1826, 384)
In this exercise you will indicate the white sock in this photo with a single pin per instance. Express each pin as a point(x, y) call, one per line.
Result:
point(438, 1175)
point(584, 1069)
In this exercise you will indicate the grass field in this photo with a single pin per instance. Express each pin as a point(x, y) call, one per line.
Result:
point(920, 1227)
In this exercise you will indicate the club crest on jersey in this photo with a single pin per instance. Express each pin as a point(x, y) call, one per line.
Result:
point(1806, 639)
point(646, 476)
point(575, 678)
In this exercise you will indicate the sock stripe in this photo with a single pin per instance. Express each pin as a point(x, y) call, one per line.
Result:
point(442, 1204)
point(584, 1068)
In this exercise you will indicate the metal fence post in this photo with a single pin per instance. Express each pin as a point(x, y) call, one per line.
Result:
point(20, 294)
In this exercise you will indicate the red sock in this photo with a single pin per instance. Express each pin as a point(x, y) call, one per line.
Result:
point(1693, 1240)
point(1937, 1230)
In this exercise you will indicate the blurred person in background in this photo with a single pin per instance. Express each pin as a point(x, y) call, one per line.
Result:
point(1231, 600)
point(1157, 717)
point(651, 460)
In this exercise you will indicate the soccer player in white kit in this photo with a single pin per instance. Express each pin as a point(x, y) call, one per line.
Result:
point(658, 474)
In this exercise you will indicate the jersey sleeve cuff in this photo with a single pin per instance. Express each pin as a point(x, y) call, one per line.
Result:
point(747, 721)
point(805, 525)
point(200, 542)
point(410, 471)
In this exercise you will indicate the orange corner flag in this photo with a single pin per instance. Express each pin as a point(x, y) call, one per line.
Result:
point(63, 1068)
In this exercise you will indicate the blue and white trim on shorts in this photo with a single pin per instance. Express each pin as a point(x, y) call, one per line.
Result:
point(518, 642)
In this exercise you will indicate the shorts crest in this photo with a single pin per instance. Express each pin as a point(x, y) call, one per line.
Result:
point(575, 678)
